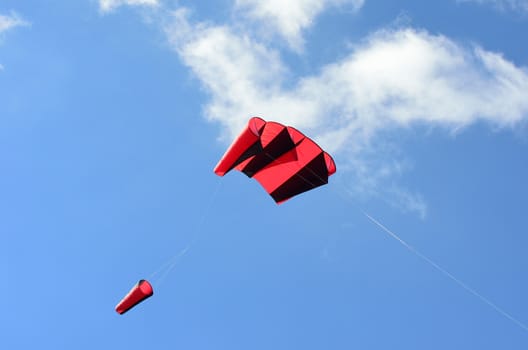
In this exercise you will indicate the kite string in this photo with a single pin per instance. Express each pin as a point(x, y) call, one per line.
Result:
point(447, 273)
point(171, 263)
point(440, 269)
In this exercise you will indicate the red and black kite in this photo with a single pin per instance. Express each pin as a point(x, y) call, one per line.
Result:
point(282, 159)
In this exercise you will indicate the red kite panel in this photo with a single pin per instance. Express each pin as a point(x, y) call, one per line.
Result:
point(282, 159)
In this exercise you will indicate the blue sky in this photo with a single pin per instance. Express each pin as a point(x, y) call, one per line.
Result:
point(113, 114)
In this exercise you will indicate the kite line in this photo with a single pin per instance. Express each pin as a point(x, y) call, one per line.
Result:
point(447, 273)
point(173, 261)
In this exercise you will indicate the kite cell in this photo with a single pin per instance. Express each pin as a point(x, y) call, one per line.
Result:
point(282, 159)
point(141, 291)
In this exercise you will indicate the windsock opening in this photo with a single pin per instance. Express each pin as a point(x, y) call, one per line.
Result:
point(141, 291)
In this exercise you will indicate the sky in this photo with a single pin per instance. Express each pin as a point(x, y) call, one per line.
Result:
point(113, 114)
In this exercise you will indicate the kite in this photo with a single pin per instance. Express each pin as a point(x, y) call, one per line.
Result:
point(141, 291)
point(281, 158)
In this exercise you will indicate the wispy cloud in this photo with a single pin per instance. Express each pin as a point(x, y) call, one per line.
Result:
point(8, 22)
point(11, 21)
point(393, 79)
point(290, 18)
point(513, 5)
point(110, 5)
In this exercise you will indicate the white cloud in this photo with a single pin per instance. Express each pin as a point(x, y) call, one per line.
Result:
point(8, 22)
point(110, 5)
point(515, 5)
point(11, 21)
point(289, 18)
point(394, 79)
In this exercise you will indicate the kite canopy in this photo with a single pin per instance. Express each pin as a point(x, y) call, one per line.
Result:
point(282, 159)
point(141, 291)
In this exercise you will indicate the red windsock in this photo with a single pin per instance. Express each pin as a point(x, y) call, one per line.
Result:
point(141, 291)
